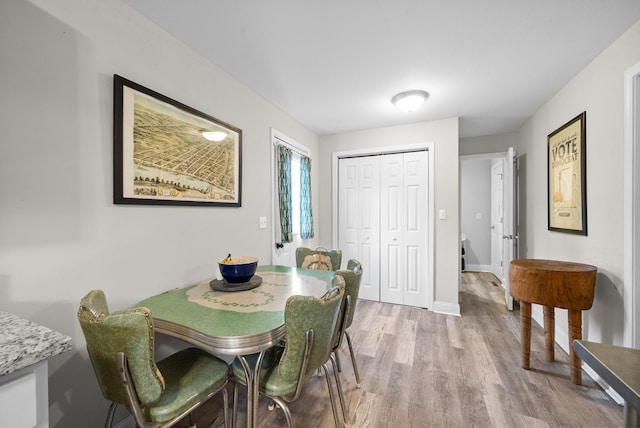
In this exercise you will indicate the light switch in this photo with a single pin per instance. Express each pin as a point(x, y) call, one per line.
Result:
point(263, 222)
point(442, 215)
point(478, 216)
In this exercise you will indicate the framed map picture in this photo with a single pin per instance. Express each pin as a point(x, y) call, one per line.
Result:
point(566, 175)
point(166, 153)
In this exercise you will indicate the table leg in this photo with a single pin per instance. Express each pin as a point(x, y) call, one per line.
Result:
point(256, 389)
point(248, 376)
point(575, 333)
point(549, 332)
point(252, 376)
point(525, 332)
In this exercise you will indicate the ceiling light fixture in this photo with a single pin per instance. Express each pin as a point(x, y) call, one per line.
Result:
point(410, 100)
point(214, 135)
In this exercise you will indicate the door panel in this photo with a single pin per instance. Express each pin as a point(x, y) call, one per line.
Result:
point(348, 202)
point(413, 270)
point(358, 217)
point(510, 238)
point(497, 216)
point(416, 230)
point(368, 213)
point(391, 236)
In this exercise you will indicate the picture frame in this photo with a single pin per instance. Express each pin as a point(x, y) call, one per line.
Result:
point(566, 177)
point(167, 153)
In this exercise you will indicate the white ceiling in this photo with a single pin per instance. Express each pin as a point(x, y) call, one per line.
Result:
point(335, 64)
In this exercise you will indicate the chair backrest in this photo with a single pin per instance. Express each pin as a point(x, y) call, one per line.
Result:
point(305, 314)
point(129, 331)
point(352, 278)
point(319, 258)
point(354, 265)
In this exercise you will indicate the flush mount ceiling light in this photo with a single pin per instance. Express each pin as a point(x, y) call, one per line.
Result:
point(214, 135)
point(410, 100)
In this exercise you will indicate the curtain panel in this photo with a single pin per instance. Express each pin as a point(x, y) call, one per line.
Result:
point(284, 193)
point(306, 216)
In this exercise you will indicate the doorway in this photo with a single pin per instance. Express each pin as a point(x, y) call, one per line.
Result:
point(632, 207)
point(284, 253)
point(489, 246)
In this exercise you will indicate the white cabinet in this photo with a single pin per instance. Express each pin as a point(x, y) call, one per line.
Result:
point(24, 398)
point(24, 382)
point(383, 222)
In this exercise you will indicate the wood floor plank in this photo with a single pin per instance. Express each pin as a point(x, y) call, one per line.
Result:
point(406, 343)
point(422, 369)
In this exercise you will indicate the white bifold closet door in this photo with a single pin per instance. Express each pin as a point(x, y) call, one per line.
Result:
point(383, 221)
point(359, 219)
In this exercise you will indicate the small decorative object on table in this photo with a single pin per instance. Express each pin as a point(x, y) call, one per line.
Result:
point(238, 274)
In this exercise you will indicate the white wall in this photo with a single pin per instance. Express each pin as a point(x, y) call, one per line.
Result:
point(60, 234)
point(444, 135)
point(475, 200)
point(598, 90)
point(488, 144)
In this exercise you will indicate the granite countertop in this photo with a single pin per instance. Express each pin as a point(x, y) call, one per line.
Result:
point(23, 343)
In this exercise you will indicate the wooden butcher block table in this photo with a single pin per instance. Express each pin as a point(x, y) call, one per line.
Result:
point(552, 284)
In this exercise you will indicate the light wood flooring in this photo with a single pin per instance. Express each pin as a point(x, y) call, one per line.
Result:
point(422, 369)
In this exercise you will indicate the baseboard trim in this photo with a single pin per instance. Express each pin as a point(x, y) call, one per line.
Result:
point(477, 268)
point(446, 308)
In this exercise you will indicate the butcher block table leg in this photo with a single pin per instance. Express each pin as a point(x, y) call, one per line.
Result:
point(552, 284)
point(525, 332)
point(575, 333)
point(549, 332)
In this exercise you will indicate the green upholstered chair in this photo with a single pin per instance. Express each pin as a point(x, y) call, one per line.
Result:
point(352, 277)
point(121, 348)
point(320, 258)
point(310, 325)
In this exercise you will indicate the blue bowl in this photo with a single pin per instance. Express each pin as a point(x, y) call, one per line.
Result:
point(241, 269)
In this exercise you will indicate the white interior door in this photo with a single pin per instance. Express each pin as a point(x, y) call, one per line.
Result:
point(510, 235)
point(359, 219)
point(358, 209)
point(348, 214)
point(404, 228)
point(497, 216)
point(392, 203)
point(416, 230)
point(368, 212)
point(632, 207)
point(383, 221)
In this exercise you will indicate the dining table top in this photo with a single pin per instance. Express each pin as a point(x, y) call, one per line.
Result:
point(234, 322)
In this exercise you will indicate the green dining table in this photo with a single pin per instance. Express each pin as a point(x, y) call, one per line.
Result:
point(237, 323)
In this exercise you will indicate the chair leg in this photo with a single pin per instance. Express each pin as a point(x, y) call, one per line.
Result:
point(331, 397)
point(112, 411)
point(285, 410)
point(345, 414)
point(338, 360)
point(225, 400)
point(234, 419)
point(353, 360)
